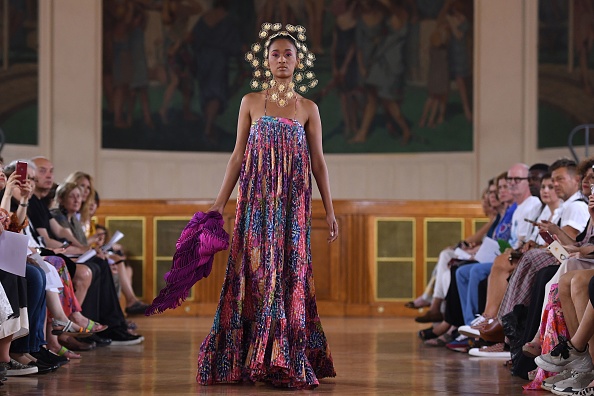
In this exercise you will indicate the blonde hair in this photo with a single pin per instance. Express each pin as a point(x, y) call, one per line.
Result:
point(75, 177)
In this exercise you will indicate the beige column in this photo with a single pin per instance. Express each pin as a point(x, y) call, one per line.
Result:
point(69, 93)
point(505, 84)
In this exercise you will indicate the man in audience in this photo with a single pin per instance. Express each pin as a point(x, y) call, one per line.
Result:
point(468, 277)
point(101, 302)
point(535, 174)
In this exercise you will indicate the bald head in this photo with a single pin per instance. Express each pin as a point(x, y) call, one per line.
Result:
point(45, 176)
point(517, 180)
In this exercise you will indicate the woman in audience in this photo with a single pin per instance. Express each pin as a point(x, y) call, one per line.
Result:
point(573, 354)
point(14, 317)
point(496, 211)
point(500, 229)
point(104, 303)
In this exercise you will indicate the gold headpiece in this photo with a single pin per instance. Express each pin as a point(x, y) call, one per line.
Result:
point(257, 57)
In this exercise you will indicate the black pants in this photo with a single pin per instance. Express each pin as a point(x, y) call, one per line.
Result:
point(102, 303)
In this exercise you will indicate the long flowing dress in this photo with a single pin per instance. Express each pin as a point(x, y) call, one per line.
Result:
point(267, 327)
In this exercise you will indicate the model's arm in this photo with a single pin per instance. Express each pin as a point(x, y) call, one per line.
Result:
point(234, 164)
point(313, 129)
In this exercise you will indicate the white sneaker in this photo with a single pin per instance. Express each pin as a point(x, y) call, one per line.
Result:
point(474, 329)
point(576, 383)
point(548, 383)
point(494, 352)
point(565, 356)
point(468, 331)
point(15, 369)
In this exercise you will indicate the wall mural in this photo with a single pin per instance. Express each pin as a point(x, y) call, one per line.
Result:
point(395, 75)
point(565, 76)
point(18, 72)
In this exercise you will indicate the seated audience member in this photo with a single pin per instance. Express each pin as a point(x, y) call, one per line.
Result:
point(500, 293)
point(504, 295)
point(535, 174)
point(105, 306)
point(444, 330)
point(14, 319)
point(122, 274)
point(570, 356)
point(62, 303)
point(468, 277)
point(491, 229)
point(100, 302)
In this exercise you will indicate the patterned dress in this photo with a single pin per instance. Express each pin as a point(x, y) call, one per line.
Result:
point(267, 327)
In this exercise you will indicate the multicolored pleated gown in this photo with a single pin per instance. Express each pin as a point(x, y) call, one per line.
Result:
point(267, 327)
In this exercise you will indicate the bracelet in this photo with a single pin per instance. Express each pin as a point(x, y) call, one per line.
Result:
point(24, 205)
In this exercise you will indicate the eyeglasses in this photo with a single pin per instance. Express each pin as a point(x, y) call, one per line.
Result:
point(515, 179)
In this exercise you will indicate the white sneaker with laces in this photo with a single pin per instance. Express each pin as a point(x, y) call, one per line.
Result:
point(576, 383)
point(548, 383)
point(565, 356)
point(474, 329)
point(494, 352)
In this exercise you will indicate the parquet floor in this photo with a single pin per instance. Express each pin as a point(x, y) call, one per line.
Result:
point(373, 356)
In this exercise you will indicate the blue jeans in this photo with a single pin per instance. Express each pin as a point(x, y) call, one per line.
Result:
point(36, 309)
point(468, 278)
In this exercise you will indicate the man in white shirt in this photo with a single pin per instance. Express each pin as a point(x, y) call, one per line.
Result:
point(468, 277)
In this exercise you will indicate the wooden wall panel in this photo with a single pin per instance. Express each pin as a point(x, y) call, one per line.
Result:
point(344, 271)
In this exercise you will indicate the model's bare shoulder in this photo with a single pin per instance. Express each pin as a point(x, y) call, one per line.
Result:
point(310, 107)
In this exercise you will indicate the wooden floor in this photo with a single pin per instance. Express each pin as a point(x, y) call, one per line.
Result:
point(372, 357)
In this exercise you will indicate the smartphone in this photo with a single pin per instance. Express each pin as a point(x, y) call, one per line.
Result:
point(21, 171)
point(531, 222)
point(547, 237)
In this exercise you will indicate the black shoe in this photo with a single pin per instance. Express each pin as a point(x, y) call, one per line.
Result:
point(122, 338)
point(43, 368)
point(100, 341)
point(137, 308)
point(46, 357)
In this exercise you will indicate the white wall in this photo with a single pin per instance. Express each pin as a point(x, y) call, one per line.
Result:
point(505, 95)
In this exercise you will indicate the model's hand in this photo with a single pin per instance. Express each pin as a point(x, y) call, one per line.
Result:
point(217, 208)
point(333, 228)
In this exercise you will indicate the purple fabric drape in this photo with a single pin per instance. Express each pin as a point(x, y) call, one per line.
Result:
point(194, 253)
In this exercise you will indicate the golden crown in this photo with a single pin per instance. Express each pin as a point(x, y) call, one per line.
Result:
point(257, 57)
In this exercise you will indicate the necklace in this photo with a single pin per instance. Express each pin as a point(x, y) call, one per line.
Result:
point(281, 93)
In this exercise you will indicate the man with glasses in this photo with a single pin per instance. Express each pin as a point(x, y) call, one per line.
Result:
point(469, 277)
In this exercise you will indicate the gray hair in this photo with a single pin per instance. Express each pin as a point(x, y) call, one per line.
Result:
point(10, 168)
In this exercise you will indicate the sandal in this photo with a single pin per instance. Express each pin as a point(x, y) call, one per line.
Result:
point(418, 303)
point(95, 327)
point(427, 334)
point(440, 341)
point(68, 329)
point(531, 349)
point(67, 353)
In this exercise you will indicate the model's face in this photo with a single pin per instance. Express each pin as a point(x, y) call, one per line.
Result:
point(282, 58)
